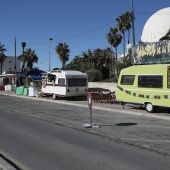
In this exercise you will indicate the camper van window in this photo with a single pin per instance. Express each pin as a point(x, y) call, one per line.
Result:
point(61, 82)
point(150, 81)
point(51, 78)
point(77, 82)
point(127, 79)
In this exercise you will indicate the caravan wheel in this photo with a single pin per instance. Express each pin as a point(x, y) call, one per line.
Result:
point(149, 107)
point(54, 96)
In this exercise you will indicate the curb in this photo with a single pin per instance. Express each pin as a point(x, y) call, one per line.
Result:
point(5, 165)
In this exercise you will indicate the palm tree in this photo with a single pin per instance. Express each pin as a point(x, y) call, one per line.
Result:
point(121, 28)
point(123, 24)
point(22, 58)
point(100, 58)
point(108, 53)
point(114, 39)
point(62, 49)
point(75, 64)
point(129, 17)
point(28, 57)
point(88, 57)
point(2, 55)
point(31, 58)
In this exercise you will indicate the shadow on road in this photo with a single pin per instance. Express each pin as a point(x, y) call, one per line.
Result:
point(120, 124)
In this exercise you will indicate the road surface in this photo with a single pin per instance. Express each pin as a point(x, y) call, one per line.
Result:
point(45, 135)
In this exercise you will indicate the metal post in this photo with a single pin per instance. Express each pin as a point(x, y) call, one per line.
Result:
point(15, 56)
point(91, 117)
point(23, 46)
point(89, 100)
point(133, 27)
point(50, 39)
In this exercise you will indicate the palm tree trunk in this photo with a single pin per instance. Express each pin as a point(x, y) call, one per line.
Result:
point(124, 43)
point(116, 64)
point(62, 65)
point(128, 36)
point(1, 67)
point(22, 68)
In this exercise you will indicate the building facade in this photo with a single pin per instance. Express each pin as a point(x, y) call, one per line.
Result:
point(9, 64)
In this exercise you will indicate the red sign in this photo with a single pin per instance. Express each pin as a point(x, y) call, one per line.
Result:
point(89, 100)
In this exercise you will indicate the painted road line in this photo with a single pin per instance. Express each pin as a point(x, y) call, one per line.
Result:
point(146, 140)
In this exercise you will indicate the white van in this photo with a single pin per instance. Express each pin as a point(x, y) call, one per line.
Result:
point(64, 83)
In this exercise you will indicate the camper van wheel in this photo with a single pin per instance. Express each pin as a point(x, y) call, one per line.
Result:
point(149, 107)
point(54, 96)
point(122, 104)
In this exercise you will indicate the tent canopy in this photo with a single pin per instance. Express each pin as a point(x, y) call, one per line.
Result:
point(35, 74)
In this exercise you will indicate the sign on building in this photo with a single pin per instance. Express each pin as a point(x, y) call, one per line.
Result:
point(150, 53)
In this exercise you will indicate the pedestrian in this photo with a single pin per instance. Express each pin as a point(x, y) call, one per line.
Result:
point(17, 83)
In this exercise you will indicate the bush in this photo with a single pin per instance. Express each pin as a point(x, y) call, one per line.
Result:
point(106, 72)
point(94, 75)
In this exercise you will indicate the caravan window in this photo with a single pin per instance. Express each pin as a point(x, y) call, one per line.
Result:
point(127, 79)
point(150, 81)
point(51, 78)
point(76, 82)
point(61, 82)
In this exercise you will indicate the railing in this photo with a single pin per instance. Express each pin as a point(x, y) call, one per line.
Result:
point(104, 97)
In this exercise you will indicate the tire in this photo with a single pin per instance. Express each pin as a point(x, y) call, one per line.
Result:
point(149, 107)
point(122, 103)
point(54, 96)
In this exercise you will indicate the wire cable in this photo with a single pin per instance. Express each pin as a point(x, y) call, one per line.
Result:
point(78, 35)
point(74, 36)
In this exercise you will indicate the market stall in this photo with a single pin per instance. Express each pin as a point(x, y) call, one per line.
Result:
point(8, 82)
point(30, 81)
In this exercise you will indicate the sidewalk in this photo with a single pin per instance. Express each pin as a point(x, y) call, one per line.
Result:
point(5, 165)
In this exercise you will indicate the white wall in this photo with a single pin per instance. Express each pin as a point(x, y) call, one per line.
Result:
point(98, 85)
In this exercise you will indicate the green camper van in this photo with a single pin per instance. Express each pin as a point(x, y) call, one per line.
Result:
point(147, 85)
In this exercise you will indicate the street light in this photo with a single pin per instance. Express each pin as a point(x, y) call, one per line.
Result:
point(15, 56)
point(23, 46)
point(50, 39)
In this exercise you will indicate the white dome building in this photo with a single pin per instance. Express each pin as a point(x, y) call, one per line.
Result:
point(156, 26)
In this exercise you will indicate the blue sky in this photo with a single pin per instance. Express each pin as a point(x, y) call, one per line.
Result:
point(81, 24)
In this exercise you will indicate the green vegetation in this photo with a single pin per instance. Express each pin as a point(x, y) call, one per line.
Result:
point(166, 36)
point(2, 55)
point(102, 64)
point(27, 59)
point(62, 49)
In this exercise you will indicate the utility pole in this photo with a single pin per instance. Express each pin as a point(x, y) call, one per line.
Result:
point(133, 27)
point(50, 39)
point(15, 67)
point(23, 46)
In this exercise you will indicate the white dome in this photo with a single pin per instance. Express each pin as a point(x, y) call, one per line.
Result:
point(156, 26)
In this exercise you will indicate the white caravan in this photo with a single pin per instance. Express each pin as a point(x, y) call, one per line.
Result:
point(64, 83)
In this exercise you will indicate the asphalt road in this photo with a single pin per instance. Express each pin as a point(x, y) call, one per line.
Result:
point(38, 134)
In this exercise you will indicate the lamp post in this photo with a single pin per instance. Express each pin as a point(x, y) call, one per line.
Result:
point(23, 46)
point(15, 68)
point(133, 27)
point(50, 39)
